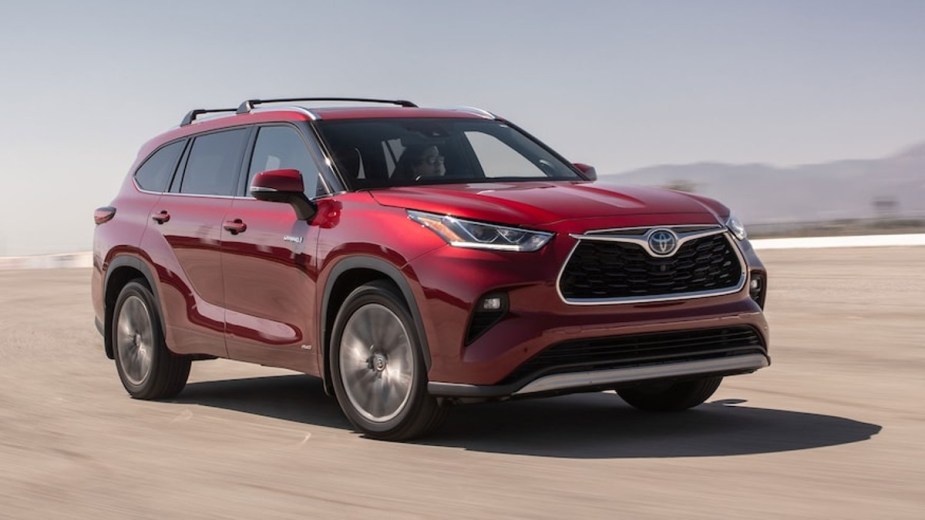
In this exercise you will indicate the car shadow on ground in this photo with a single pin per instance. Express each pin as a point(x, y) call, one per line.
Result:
point(594, 425)
point(601, 425)
point(295, 398)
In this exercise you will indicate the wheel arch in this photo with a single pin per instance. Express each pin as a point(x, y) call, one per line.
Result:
point(343, 278)
point(121, 271)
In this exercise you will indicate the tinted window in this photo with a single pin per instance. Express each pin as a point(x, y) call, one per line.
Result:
point(396, 152)
point(281, 147)
point(155, 173)
point(214, 162)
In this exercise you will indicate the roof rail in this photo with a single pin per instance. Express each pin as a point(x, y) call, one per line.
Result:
point(193, 114)
point(248, 105)
point(474, 110)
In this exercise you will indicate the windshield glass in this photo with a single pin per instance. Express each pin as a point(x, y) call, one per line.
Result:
point(399, 152)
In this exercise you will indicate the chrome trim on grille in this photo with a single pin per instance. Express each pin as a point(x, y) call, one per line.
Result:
point(641, 230)
point(592, 378)
point(643, 241)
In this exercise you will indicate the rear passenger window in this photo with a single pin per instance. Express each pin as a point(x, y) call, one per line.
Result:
point(214, 162)
point(155, 173)
point(281, 147)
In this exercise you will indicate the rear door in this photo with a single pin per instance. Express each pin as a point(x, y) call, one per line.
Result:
point(184, 241)
point(268, 261)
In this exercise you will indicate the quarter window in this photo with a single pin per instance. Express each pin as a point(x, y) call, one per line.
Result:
point(281, 147)
point(155, 173)
point(214, 162)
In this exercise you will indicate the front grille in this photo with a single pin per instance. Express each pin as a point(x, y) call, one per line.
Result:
point(641, 349)
point(599, 270)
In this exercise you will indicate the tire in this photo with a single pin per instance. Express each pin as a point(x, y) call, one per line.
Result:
point(670, 396)
point(147, 368)
point(377, 366)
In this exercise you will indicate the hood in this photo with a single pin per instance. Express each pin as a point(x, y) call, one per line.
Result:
point(535, 203)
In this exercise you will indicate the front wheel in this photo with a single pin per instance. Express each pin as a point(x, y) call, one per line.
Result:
point(377, 365)
point(147, 368)
point(670, 396)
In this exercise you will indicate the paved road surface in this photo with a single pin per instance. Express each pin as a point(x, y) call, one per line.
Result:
point(834, 429)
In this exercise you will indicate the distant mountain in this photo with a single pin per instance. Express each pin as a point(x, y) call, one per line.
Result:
point(892, 187)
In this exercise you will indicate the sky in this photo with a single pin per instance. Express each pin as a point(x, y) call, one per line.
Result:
point(616, 84)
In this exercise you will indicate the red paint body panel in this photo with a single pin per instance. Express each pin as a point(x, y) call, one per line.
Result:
point(535, 203)
point(186, 252)
point(279, 180)
point(119, 236)
point(269, 286)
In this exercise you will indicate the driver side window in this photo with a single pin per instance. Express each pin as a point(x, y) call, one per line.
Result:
point(281, 147)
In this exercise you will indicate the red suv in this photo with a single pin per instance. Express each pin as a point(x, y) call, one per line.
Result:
point(414, 258)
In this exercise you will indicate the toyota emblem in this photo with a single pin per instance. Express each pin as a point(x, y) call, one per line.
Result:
point(662, 242)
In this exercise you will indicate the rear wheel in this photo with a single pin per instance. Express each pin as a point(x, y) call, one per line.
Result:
point(377, 365)
point(670, 396)
point(147, 368)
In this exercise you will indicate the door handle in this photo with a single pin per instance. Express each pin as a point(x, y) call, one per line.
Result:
point(235, 226)
point(161, 217)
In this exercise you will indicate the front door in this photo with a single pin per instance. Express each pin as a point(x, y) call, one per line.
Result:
point(268, 264)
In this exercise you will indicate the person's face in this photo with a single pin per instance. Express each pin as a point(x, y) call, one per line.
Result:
point(429, 164)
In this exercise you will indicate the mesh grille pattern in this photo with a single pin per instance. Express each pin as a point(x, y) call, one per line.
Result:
point(604, 270)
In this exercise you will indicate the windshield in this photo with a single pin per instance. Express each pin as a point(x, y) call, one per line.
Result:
point(399, 152)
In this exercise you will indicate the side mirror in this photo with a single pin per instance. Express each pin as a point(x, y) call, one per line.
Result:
point(283, 186)
point(589, 171)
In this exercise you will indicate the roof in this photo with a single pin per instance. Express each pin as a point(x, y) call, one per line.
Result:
point(194, 122)
point(371, 108)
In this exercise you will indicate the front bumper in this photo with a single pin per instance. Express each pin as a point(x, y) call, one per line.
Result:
point(604, 379)
point(451, 281)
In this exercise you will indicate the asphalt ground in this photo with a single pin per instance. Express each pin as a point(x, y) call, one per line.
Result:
point(835, 428)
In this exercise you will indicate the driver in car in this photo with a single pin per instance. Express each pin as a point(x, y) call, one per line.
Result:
point(420, 161)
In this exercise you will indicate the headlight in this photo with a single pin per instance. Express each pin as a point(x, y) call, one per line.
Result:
point(736, 227)
point(477, 235)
